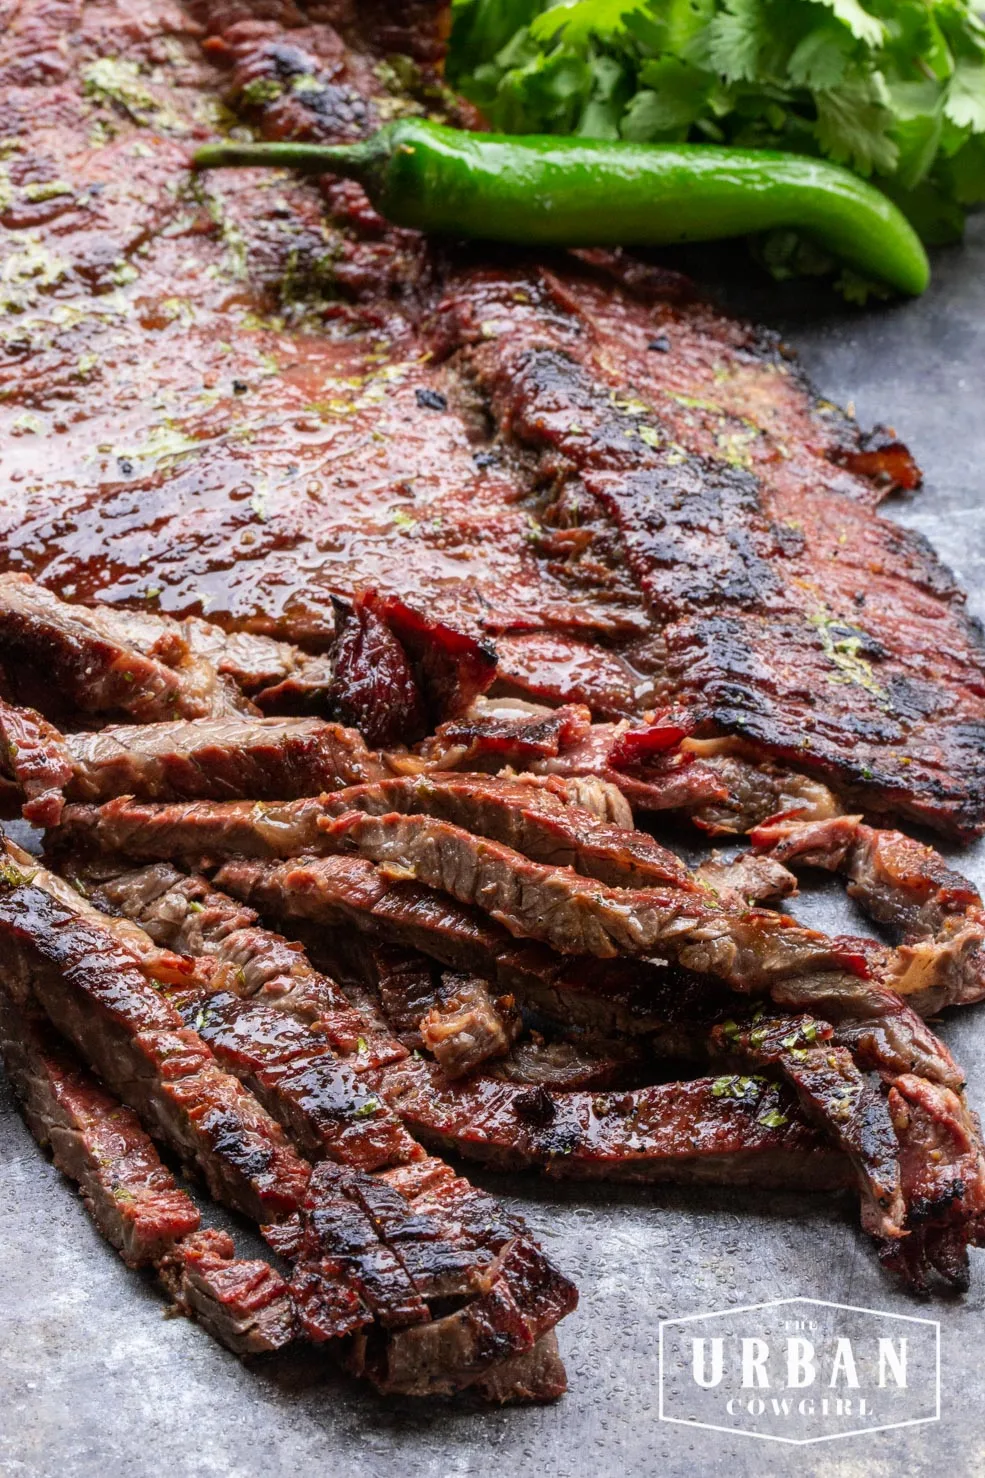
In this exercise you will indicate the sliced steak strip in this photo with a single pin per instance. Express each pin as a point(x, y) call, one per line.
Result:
point(105, 661)
point(184, 914)
point(94, 1141)
point(285, 1060)
point(538, 821)
point(578, 915)
point(680, 1132)
point(834, 1094)
point(242, 1302)
point(219, 759)
point(621, 996)
point(99, 998)
point(936, 912)
point(573, 913)
point(354, 1227)
point(34, 755)
point(132, 1197)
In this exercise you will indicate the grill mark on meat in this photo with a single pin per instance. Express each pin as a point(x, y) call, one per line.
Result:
point(833, 1093)
point(900, 882)
point(729, 562)
point(335, 1239)
point(185, 915)
point(276, 1041)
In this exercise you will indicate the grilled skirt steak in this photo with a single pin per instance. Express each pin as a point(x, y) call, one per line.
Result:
point(493, 439)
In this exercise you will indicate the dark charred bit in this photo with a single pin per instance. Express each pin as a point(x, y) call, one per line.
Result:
point(399, 673)
point(535, 1106)
point(373, 687)
point(452, 667)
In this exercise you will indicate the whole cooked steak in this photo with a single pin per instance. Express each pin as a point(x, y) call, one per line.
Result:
point(244, 395)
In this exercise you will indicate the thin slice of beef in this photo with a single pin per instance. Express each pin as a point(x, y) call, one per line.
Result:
point(849, 1104)
point(936, 912)
point(680, 1132)
point(345, 893)
point(353, 1227)
point(538, 821)
point(132, 1197)
point(69, 657)
point(94, 1141)
point(186, 915)
point(282, 1055)
point(34, 755)
point(242, 1302)
point(573, 913)
point(226, 758)
point(97, 995)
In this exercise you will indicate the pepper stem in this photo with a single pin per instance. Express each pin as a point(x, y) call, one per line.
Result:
point(354, 161)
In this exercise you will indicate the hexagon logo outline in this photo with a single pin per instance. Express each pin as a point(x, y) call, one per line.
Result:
point(800, 1299)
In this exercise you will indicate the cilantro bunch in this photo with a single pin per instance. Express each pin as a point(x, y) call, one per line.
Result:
point(894, 89)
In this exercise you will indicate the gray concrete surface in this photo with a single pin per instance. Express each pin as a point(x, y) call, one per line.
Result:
point(95, 1383)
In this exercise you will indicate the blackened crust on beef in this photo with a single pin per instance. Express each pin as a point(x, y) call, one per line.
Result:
point(362, 1255)
point(752, 577)
point(132, 1197)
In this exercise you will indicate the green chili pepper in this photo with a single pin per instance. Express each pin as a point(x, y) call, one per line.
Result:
point(585, 192)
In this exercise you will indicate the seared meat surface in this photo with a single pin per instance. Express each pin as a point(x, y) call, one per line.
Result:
point(328, 406)
point(370, 586)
